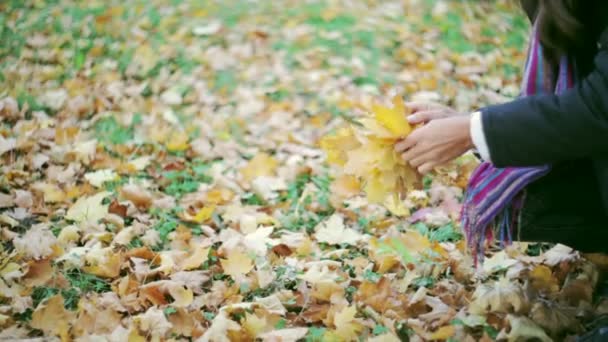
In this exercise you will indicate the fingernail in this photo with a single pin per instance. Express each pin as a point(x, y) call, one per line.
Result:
point(412, 118)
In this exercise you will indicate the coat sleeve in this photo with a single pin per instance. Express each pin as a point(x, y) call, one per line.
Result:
point(543, 129)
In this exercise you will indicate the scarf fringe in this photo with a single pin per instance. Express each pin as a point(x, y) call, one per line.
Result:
point(501, 230)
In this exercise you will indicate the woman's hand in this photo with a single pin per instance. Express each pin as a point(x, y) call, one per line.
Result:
point(436, 143)
point(423, 112)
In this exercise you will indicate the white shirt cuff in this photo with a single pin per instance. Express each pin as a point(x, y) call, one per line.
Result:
point(478, 136)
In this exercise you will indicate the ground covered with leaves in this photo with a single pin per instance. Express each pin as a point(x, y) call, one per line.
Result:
point(164, 175)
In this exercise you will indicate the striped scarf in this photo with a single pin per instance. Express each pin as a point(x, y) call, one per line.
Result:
point(495, 197)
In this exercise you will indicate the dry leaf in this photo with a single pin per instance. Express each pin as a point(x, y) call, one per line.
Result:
point(318, 274)
point(497, 262)
point(345, 186)
point(7, 144)
point(368, 153)
point(334, 232)
point(137, 195)
point(523, 329)
point(394, 119)
point(196, 259)
point(557, 254)
point(237, 264)
point(542, 279)
point(260, 165)
point(154, 322)
point(272, 304)
point(347, 329)
point(36, 243)
point(554, 318)
point(89, 209)
point(97, 178)
point(384, 338)
point(254, 325)
point(285, 335)
point(219, 328)
point(500, 296)
point(443, 333)
point(52, 318)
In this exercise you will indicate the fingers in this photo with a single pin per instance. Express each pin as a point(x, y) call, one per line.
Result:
point(418, 153)
point(425, 116)
point(426, 161)
point(413, 155)
point(426, 167)
point(423, 161)
point(405, 144)
point(422, 106)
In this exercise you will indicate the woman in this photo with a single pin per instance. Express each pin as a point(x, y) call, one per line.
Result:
point(545, 175)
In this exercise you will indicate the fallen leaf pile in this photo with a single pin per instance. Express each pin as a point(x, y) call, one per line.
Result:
point(176, 170)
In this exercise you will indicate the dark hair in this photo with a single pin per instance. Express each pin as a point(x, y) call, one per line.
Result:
point(570, 25)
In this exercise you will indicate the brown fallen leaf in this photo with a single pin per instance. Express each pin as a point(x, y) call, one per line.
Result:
point(117, 209)
point(577, 291)
point(555, 318)
point(94, 319)
point(38, 272)
point(139, 196)
point(185, 323)
point(52, 318)
point(104, 263)
point(523, 329)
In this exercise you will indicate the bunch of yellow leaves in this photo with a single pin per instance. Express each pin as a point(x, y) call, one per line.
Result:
point(366, 151)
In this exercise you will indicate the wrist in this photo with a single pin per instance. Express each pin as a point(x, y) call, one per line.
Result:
point(478, 135)
point(466, 132)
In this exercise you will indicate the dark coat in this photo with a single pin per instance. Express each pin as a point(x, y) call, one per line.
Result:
point(569, 131)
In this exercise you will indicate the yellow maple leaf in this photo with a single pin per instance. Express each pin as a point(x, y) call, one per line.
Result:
point(261, 165)
point(542, 279)
point(138, 164)
point(182, 297)
point(346, 326)
point(374, 188)
point(343, 187)
point(103, 263)
point(346, 185)
point(88, 208)
point(336, 145)
point(443, 333)
point(52, 193)
point(195, 260)
point(219, 196)
point(134, 336)
point(254, 325)
point(203, 214)
point(178, 142)
point(396, 206)
point(237, 264)
point(394, 119)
